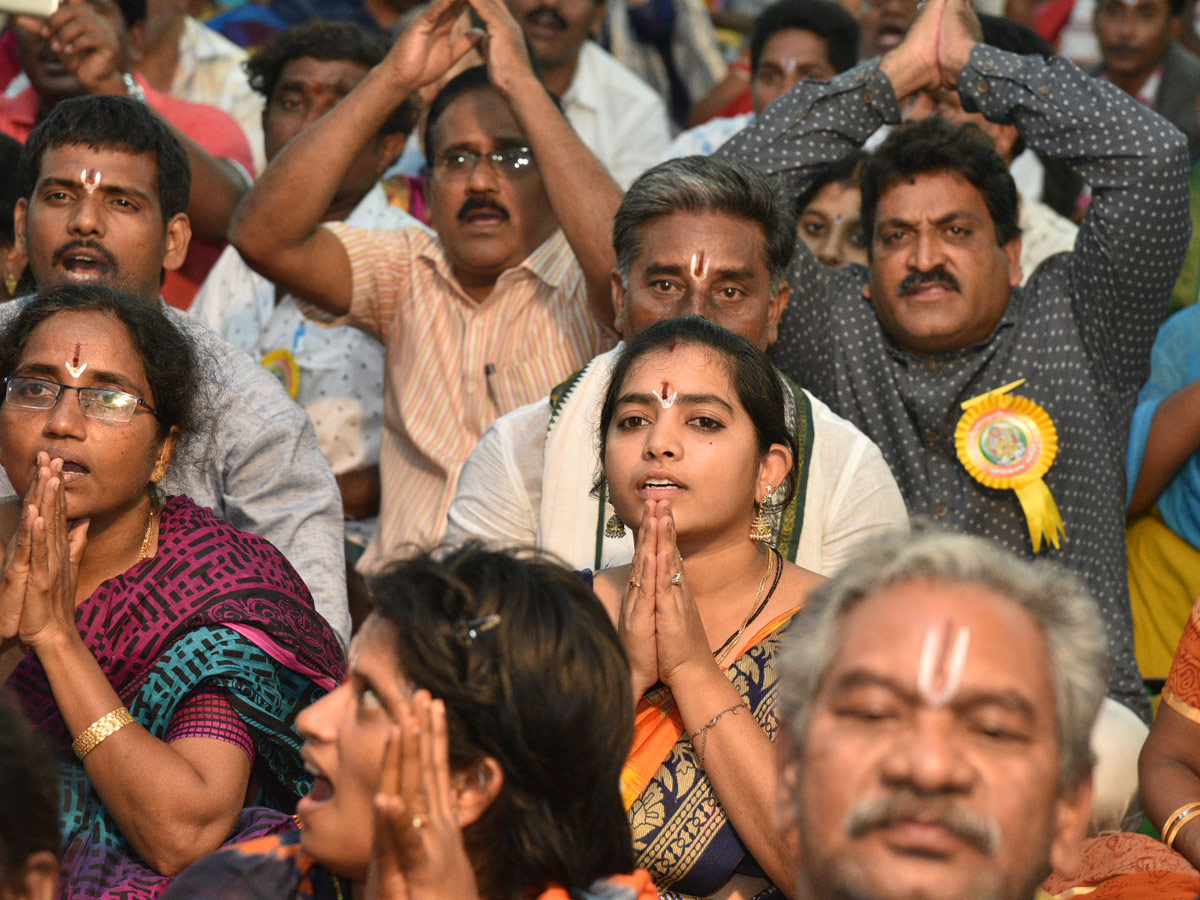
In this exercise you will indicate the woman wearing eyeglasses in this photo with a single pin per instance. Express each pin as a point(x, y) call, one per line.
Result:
point(168, 650)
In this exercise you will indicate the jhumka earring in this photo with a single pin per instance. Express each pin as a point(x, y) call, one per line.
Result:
point(760, 527)
point(10, 283)
point(614, 528)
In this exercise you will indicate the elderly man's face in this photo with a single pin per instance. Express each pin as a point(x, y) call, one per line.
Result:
point(930, 766)
point(705, 264)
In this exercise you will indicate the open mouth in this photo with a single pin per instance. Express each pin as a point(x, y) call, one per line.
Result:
point(658, 488)
point(85, 265)
point(73, 471)
point(489, 217)
point(546, 22)
point(320, 793)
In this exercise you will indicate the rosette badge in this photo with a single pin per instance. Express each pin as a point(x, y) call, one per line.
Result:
point(1008, 442)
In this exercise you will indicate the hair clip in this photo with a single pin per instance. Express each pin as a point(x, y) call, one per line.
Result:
point(465, 632)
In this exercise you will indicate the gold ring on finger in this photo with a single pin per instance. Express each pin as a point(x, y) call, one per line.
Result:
point(677, 578)
point(634, 583)
point(418, 822)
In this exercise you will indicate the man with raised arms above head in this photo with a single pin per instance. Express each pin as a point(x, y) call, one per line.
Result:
point(509, 297)
point(1049, 372)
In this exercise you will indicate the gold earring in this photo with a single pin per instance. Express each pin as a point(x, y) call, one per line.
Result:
point(760, 527)
point(614, 528)
point(159, 471)
point(10, 283)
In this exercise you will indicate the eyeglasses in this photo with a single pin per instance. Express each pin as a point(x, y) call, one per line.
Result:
point(106, 404)
point(461, 163)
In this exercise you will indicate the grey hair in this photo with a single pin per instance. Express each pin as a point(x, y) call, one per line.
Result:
point(1057, 601)
point(704, 184)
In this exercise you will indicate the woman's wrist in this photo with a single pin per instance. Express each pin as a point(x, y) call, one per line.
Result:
point(54, 643)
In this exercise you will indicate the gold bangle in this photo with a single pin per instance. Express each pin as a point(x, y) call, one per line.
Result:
point(1173, 818)
point(1178, 826)
point(104, 727)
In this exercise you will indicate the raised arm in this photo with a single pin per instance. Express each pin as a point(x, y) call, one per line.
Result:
point(99, 58)
point(1131, 243)
point(277, 228)
point(582, 193)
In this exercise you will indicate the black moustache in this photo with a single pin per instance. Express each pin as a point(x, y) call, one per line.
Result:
point(472, 205)
point(933, 276)
point(99, 250)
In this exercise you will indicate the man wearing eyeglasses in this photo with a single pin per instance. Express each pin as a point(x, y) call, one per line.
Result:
point(510, 296)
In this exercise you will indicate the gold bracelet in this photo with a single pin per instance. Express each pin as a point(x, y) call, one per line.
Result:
point(1173, 818)
point(104, 727)
point(702, 731)
point(1178, 824)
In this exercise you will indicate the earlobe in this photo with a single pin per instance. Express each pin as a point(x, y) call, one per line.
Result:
point(163, 463)
point(476, 789)
point(776, 465)
point(179, 235)
point(1012, 250)
point(20, 214)
point(778, 307)
point(620, 322)
point(1073, 811)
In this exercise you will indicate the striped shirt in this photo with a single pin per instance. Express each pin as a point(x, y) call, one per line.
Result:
point(454, 365)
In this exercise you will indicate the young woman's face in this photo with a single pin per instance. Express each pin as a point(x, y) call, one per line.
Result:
point(679, 433)
point(345, 735)
point(831, 225)
point(107, 465)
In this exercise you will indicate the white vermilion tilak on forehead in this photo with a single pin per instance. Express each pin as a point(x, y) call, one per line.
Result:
point(73, 365)
point(668, 399)
point(699, 266)
point(943, 656)
point(90, 178)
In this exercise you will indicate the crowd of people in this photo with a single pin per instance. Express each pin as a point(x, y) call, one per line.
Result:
point(555, 449)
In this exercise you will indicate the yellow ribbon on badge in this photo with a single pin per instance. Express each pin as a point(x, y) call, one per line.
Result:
point(1009, 442)
point(282, 364)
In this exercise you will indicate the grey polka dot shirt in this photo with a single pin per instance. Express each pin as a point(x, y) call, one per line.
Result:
point(1079, 332)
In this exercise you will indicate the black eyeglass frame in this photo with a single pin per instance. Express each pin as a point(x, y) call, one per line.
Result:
point(79, 392)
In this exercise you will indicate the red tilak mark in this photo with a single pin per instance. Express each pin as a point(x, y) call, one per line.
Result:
point(75, 361)
point(664, 392)
point(671, 347)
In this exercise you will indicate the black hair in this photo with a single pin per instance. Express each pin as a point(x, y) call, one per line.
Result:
point(465, 82)
point(167, 355)
point(753, 377)
point(107, 122)
point(342, 40)
point(28, 796)
point(132, 11)
point(706, 184)
point(1005, 34)
point(534, 676)
point(932, 145)
point(10, 186)
point(823, 18)
point(847, 171)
